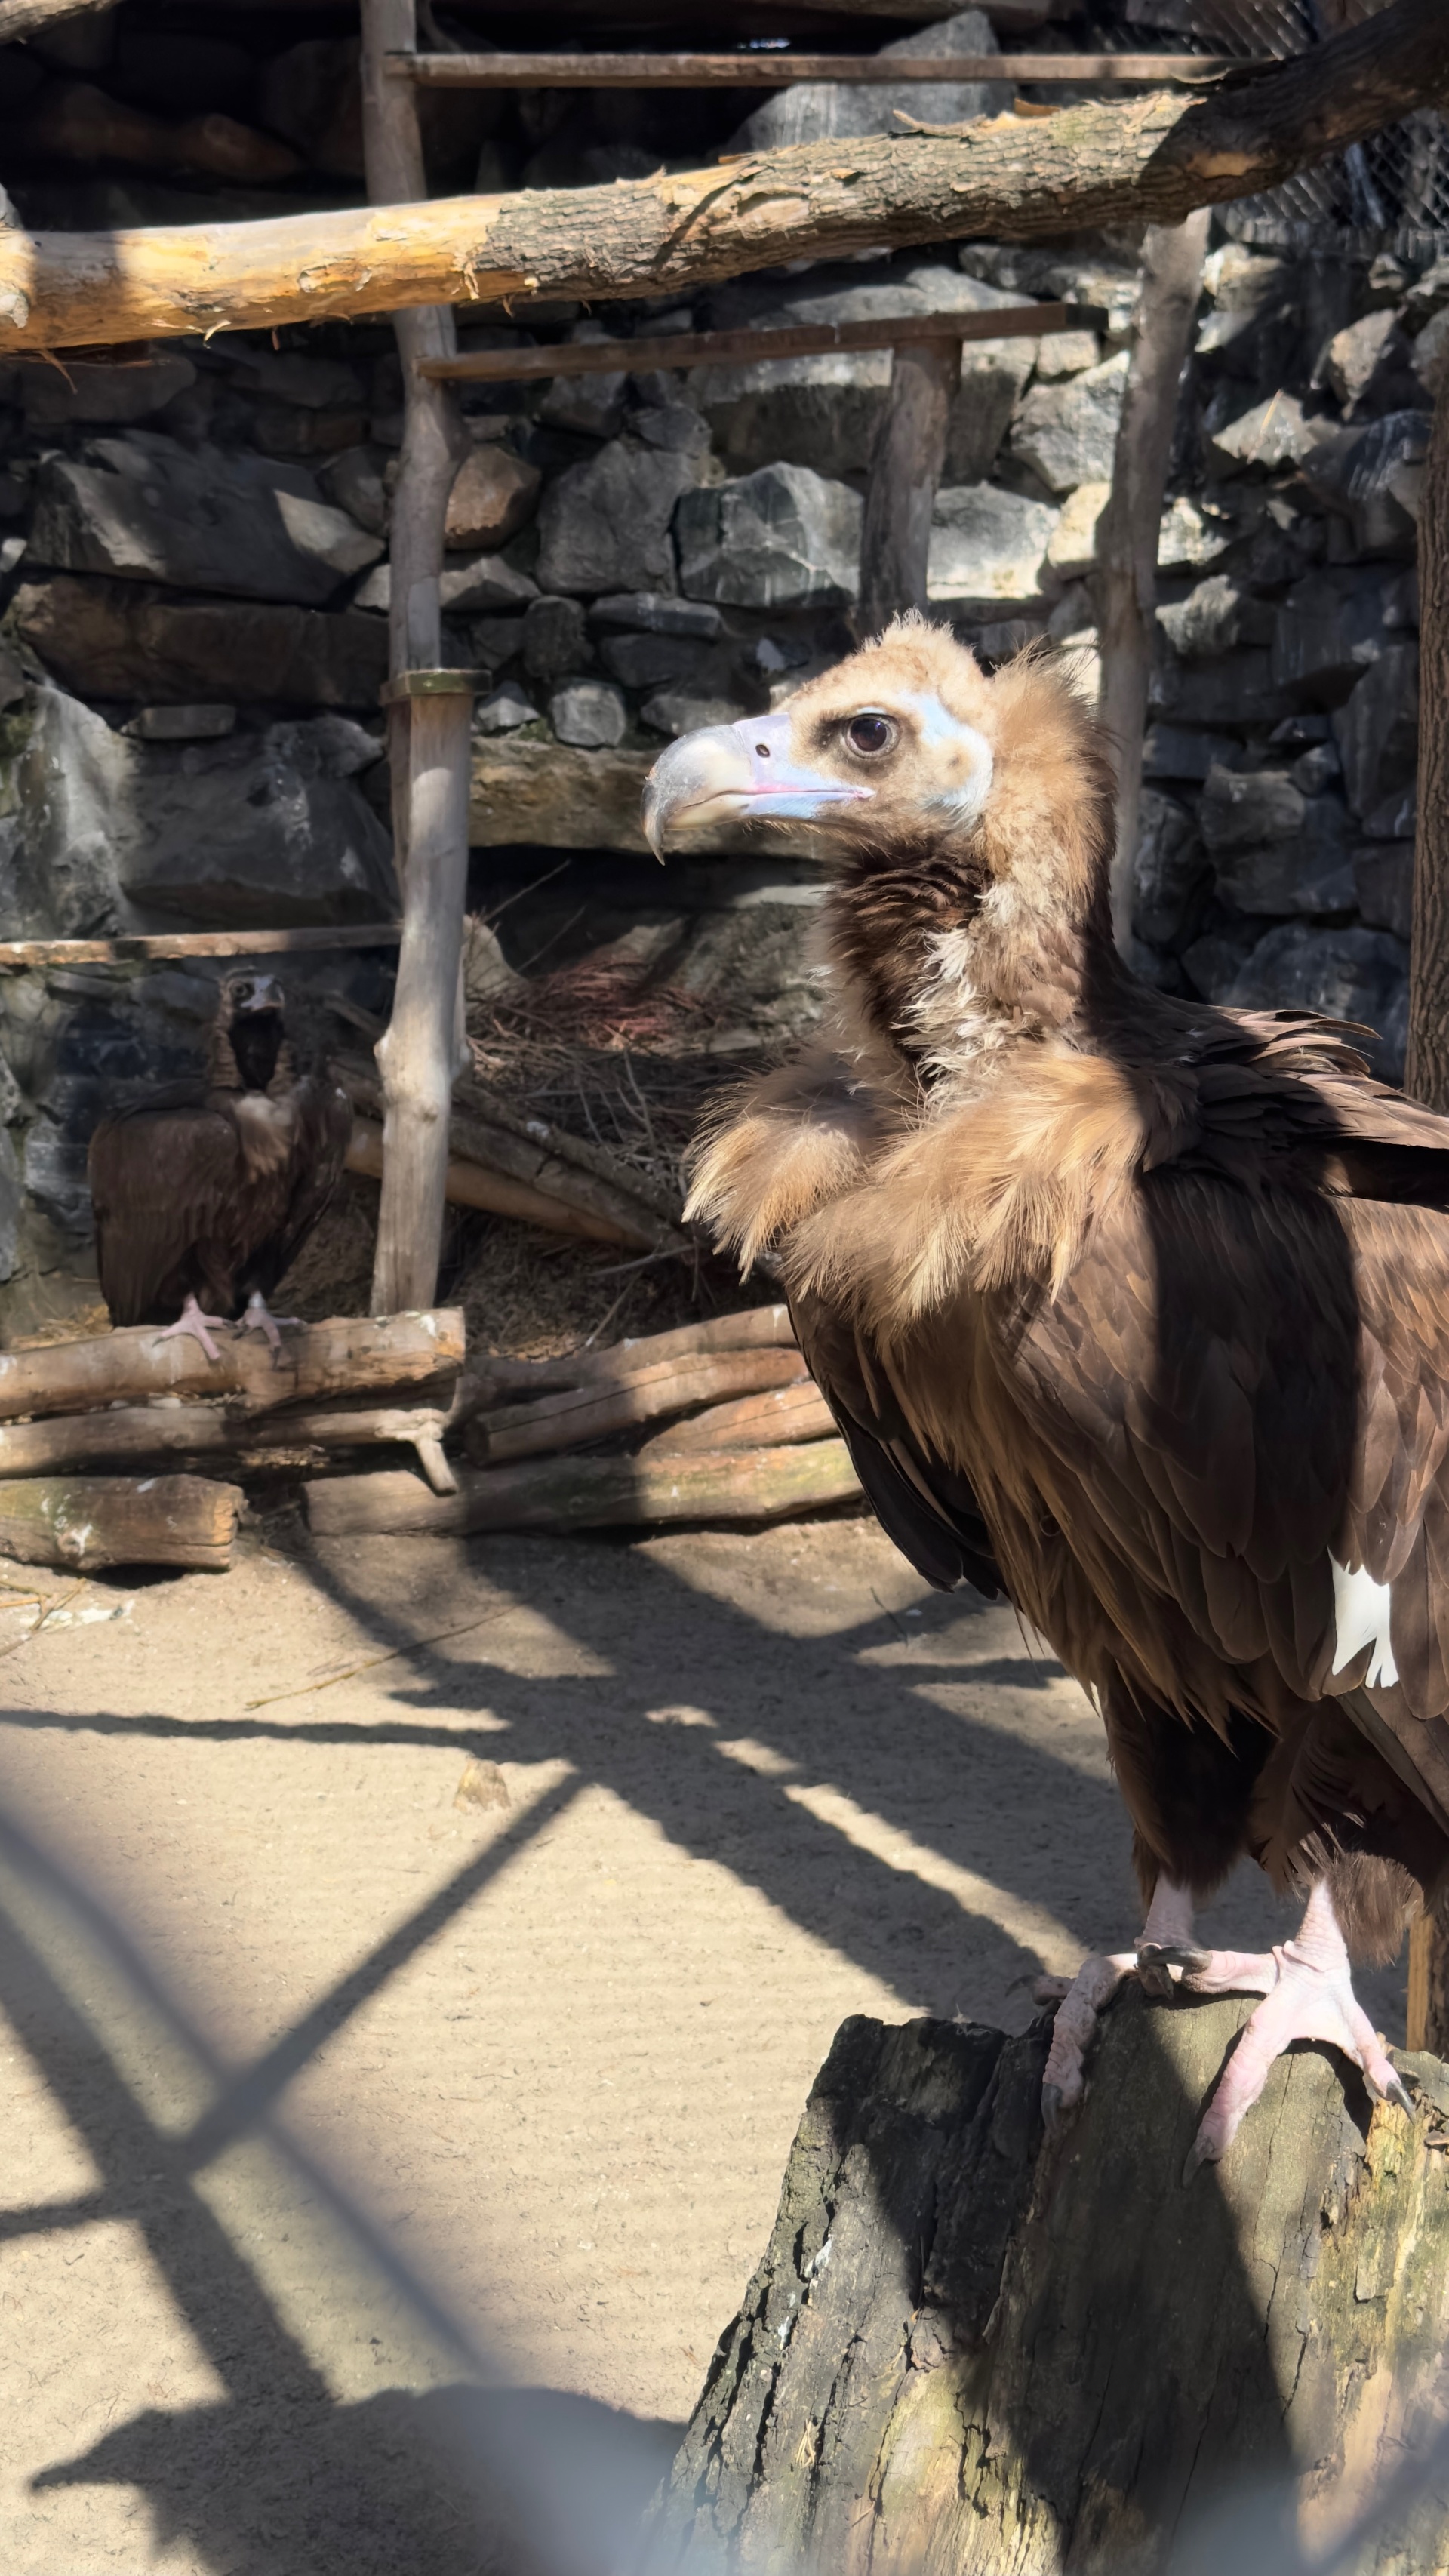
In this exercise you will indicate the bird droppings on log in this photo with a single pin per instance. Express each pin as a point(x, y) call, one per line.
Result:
point(966, 2348)
point(91, 1521)
point(745, 1486)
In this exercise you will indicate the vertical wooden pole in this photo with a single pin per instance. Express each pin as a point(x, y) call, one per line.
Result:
point(434, 443)
point(1126, 583)
point(905, 470)
point(1427, 1074)
point(417, 1056)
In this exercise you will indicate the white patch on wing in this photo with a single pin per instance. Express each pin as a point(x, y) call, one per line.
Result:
point(1361, 1618)
point(965, 758)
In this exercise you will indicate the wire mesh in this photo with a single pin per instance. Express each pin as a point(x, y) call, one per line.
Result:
point(1390, 194)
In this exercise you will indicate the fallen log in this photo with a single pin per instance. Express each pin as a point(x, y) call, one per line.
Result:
point(795, 1412)
point(479, 1185)
point(577, 1415)
point(90, 1521)
point(1095, 163)
point(131, 1434)
point(131, 947)
point(754, 1328)
point(747, 1486)
point(968, 2348)
point(351, 1355)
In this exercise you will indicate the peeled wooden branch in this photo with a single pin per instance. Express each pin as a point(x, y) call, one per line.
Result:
point(477, 1185)
point(970, 2348)
point(91, 1521)
point(751, 1485)
point(569, 1420)
point(1150, 161)
point(352, 1355)
point(755, 1328)
point(128, 1434)
point(794, 1412)
point(132, 947)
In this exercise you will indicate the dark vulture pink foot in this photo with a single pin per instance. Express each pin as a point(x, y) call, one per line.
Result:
point(258, 1319)
point(1309, 1995)
point(197, 1328)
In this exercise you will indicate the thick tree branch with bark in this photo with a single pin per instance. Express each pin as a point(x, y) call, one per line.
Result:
point(1151, 161)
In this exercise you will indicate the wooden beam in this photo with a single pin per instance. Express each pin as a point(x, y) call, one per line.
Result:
point(21, 18)
point(352, 1355)
point(86, 1522)
point(478, 1185)
point(905, 469)
point(130, 948)
point(782, 71)
point(1143, 160)
point(738, 1485)
point(1172, 258)
point(733, 348)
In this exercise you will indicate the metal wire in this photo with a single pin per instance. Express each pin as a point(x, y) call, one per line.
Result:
point(1388, 195)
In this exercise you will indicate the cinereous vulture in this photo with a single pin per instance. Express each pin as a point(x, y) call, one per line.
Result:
point(1129, 1307)
point(205, 1193)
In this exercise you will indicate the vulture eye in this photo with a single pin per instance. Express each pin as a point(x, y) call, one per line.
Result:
point(870, 735)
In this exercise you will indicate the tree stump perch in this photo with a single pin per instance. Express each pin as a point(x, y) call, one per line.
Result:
point(968, 2348)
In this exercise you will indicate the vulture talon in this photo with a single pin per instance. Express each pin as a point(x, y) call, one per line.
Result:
point(1398, 2093)
point(1054, 2112)
point(194, 1326)
point(1155, 1964)
point(259, 1319)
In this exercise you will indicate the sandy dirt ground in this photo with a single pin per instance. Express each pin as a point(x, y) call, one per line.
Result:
point(413, 1960)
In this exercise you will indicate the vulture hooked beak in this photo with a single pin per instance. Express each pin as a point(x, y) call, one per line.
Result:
point(262, 993)
point(737, 773)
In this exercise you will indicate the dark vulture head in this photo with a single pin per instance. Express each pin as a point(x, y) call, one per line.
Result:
point(966, 821)
point(248, 1039)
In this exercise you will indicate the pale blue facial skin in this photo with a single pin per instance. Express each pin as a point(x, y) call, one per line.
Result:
point(736, 773)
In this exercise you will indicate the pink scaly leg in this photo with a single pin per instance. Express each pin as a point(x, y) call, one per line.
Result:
point(1165, 1942)
point(197, 1328)
point(258, 1319)
point(1311, 1996)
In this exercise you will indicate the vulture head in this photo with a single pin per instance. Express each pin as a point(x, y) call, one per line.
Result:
point(249, 1034)
point(966, 821)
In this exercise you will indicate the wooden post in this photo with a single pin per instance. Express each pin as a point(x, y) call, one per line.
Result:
point(418, 1056)
point(1427, 1073)
point(905, 469)
point(420, 745)
point(1172, 257)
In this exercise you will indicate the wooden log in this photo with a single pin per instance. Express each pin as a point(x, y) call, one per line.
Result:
point(766, 71)
point(129, 1434)
point(799, 340)
point(21, 18)
point(351, 1355)
point(487, 1377)
point(75, 121)
point(89, 1521)
point(1172, 258)
point(470, 1183)
point(1146, 160)
point(131, 948)
point(794, 1412)
point(905, 469)
point(968, 2349)
point(575, 1416)
point(748, 1486)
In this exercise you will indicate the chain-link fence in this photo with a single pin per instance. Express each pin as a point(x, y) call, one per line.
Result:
point(1390, 194)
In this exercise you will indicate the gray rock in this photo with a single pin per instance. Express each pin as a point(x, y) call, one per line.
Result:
point(1215, 617)
point(1312, 874)
point(505, 711)
point(1396, 819)
point(1383, 873)
point(55, 1176)
point(825, 411)
point(1377, 729)
point(67, 793)
point(1316, 769)
point(590, 714)
point(1193, 533)
point(1238, 690)
point(82, 390)
point(679, 711)
point(590, 405)
point(181, 724)
point(813, 111)
point(483, 586)
point(1331, 627)
point(649, 661)
point(1349, 974)
point(1240, 808)
point(1241, 280)
point(646, 612)
point(265, 828)
point(9, 1208)
point(1267, 437)
point(1172, 751)
point(988, 545)
point(353, 482)
point(673, 425)
point(291, 376)
point(554, 641)
point(1168, 872)
point(604, 525)
point(1213, 963)
point(1359, 473)
point(1367, 366)
point(118, 639)
point(782, 538)
point(495, 640)
point(1067, 432)
point(148, 510)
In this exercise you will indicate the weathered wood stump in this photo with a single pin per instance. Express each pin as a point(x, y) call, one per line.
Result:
point(971, 2348)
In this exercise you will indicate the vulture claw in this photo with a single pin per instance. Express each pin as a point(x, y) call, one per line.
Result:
point(196, 1327)
point(258, 1319)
